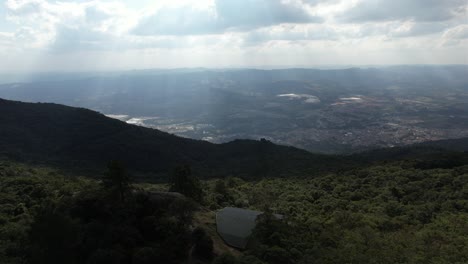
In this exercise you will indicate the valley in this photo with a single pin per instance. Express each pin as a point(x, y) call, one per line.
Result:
point(340, 127)
point(159, 195)
point(324, 111)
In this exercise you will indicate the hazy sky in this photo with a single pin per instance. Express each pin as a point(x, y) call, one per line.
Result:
point(40, 35)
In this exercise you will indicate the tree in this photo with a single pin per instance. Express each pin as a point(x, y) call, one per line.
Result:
point(226, 259)
point(203, 244)
point(264, 148)
point(52, 237)
point(146, 255)
point(104, 256)
point(185, 183)
point(269, 240)
point(116, 179)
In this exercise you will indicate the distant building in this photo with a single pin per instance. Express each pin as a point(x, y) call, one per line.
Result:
point(235, 225)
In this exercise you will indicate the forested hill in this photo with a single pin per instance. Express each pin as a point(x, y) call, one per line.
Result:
point(399, 205)
point(460, 144)
point(81, 139)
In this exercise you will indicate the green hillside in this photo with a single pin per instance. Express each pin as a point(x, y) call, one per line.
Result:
point(388, 213)
point(59, 203)
point(82, 140)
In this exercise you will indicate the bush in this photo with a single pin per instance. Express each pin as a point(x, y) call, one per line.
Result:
point(146, 255)
point(203, 244)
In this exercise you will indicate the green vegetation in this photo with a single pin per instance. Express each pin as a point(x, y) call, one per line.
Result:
point(116, 180)
point(49, 218)
point(395, 212)
point(185, 183)
point(24, 193)
point(380, 214)
point(80, 139)
point(401, 205)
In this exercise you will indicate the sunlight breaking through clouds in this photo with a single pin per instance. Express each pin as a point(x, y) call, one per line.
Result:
point(61, 35)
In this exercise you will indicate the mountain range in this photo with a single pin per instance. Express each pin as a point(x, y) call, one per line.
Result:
point(83, 140)
point(80, 139)
point(335, 111)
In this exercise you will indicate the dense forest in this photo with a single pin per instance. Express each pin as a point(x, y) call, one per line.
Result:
point(380, 214)
point(47, 218)
point(388, 213)
point(77, 187)
point(81, 139)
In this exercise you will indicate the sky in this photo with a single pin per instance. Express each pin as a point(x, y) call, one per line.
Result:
point(89, 35)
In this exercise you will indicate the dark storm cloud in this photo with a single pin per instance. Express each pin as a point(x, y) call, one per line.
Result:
point(417, 10)
point(239, 15)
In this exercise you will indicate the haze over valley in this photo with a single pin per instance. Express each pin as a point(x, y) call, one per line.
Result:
point(329, 111)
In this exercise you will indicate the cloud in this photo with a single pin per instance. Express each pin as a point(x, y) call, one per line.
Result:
point(66, 26)
point(345, 32)
point(232, 32)
point(295, 33)
point(7, 38)
point(247, 14)
point(401, 10)
point(179, 21)
point(412, 29)
point(405, 29)
point(457, 33)
point(239, 15)
point(69, 39)
point(320, 2)
point(24, 6)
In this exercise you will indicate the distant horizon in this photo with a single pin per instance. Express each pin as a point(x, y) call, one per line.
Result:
point(257, 67)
